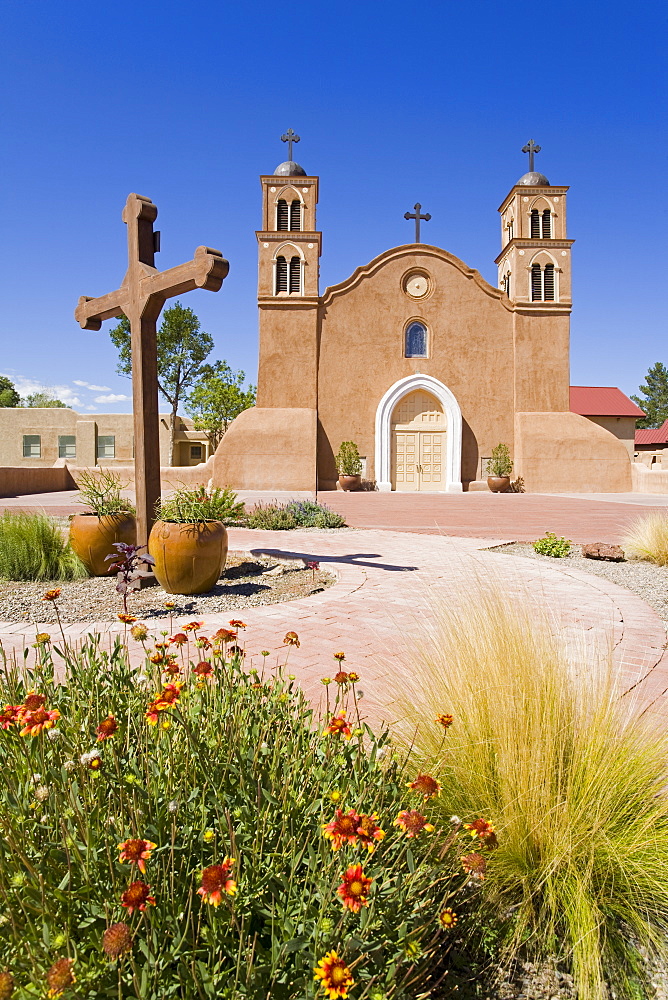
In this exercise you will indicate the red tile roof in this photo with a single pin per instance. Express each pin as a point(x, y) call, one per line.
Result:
point(602, 401)
point(653, 435)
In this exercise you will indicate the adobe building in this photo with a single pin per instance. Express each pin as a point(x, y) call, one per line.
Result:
point(610, 408)
point(416, 358)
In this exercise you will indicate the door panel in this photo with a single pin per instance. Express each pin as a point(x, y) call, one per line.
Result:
point(406, 460)
point(418, 460)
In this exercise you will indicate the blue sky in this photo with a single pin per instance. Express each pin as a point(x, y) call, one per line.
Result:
point(394, 102)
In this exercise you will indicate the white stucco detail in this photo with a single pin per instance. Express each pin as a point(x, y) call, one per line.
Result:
point(453, 441)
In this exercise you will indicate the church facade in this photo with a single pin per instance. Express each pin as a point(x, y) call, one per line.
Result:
point(416, 358)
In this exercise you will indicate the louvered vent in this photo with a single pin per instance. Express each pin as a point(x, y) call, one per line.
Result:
point(536, 283)
point(295, 275)
point(548, 283)
point(295, 216)
point(535, 225)
point(282, 215)
point(281, 275)
point(547, 224)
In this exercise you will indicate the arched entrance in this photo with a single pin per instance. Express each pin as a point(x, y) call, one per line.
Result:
point(419, 437)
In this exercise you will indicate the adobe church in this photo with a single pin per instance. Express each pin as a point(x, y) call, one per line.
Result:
point(416, 358)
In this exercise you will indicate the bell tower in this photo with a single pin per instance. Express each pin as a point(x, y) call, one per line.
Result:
point(535, 259)
point(289, 248)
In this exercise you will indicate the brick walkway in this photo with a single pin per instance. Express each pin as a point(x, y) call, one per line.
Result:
point(387, 584)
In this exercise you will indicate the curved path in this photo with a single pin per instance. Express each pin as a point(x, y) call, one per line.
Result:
point(387, 582)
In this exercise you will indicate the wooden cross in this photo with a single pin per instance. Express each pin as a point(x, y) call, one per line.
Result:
point(531, 148)
point(416, 215)
point(141, 297)
point(290, 137)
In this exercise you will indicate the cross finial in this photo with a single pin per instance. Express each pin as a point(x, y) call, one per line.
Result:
point(289, 137)
point(531, 148)
point(416, 215)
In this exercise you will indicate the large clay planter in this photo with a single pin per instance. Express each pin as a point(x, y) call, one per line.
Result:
point(348, 483)
point(498, 484)
point(189, 558)
point(92, 537)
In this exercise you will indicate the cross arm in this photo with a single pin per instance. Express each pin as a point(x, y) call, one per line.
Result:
point(90, 313)
point(207, 270)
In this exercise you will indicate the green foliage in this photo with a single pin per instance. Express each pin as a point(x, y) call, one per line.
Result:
point(43, 398)
point(297, 514)
point(552, 546)
point(194, 504)
point(655, 391)
point(500, 463)
point(647, 538)
point(32, 547)
point(101, 491)
point(572, 776)
point(8, 394)
point(217, 398)
point(348, 461)
point(236, 767)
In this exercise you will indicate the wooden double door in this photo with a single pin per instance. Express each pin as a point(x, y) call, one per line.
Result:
point(418, 444)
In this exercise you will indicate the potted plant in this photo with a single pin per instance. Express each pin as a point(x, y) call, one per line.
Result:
point(349, 466)
point(189, 540)
point(94, 533)
point(499, 468)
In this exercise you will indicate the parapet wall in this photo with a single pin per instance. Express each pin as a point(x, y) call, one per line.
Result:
point(16, 482)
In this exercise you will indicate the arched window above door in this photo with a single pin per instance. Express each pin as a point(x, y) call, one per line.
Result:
point(415, 340)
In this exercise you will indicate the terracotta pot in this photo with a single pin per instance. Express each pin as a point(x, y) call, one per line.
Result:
point(92, 537)
point(498, 484)
point(189, 558)
point(348, 483)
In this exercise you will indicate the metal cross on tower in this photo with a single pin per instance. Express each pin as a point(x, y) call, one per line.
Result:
point(416, 215)
point(531, 148)
point(289, 137)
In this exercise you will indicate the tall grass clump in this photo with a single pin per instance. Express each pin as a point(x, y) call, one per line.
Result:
point(647, 538)
point(32, 547)
point(572, 778)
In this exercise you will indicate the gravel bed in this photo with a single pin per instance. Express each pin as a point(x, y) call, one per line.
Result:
point(246, 582)
point(643, 578)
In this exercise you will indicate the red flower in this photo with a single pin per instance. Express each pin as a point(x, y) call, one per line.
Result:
point(53, 595)
point(106, 728)
point(116, 940)
point(192, 626)
point(235, 623)
point(482, 829)
point(369, 832)
point(353, 677)
point(425, 785)
point(447, 918)
point(32, 702)
point(334, 975)
point(224, 635)
point(137, 896)
point(474, 864)
point(179, 639)
point(136, 851)
point(236, 651)
point(338, 726)
point(342, 829)
point(10, 716)
point(291, 639)
point(216, 881)
point(341, 677)
point(126, 619)
point(339, 656)
point(354, 889)
point(204, 669)
point(413, 823)
point(34, 722)
point(60, 976)
point(445, 720)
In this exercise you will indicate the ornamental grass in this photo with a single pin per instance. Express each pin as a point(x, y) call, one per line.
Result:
point(572, 778)
point(647, 538)
point(32, 547)
point(201, 833)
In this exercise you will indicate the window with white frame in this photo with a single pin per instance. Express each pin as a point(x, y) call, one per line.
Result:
point(67, 446)
point(106, 446)
point(32, 446)
point(196, 452)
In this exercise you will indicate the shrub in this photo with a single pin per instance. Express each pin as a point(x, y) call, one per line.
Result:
point(297, 514)
point(558, 548)
point(101, 490)
point(271, 517)
point(32, 547)
point(647, 538)
point(192, 505)
point(348, 461)
point(214, 778)
point(500, 463)
point(572, 779)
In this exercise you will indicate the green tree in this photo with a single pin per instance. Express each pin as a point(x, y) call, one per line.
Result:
point(43, 397)
point(217, 399)
point(182, 350)
point(8, 394)
point(655, 391)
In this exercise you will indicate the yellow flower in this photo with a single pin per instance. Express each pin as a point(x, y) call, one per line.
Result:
point(208, 836)
point(335, 796)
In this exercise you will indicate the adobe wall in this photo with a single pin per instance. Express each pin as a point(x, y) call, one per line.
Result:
point(21, 481)
point(623, 428)
point(654, 480)
point(268, 449)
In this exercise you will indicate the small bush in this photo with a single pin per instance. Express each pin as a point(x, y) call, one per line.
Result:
point(647, 538)
point(192, 505)
point(558, 548)
point(32, 547)
point(500, 463)
point(271, 517)
point(297, 514)
point(348, 461)
point(101, 491)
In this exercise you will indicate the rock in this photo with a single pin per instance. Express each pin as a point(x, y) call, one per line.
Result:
point(601, 550)
point(276, 571)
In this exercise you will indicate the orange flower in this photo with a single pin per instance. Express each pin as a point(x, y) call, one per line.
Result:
point(203, 643)
point(106, 728)
point(354, 889)
point(413, 823)
point(334, 975)
point(236, 651)
point(60, 976)
point(152, 713)
point(369, 832)
point(137, 896)
point(291, 639)
point(204, 669)
point(139, 632)
point(474, 864)
point(43, 637)
point(425, 785)
point(482, 829)
point(10, 716)
point(179, 639)
point(445, 720)
point(7, 985)
point(126, 618)
point(353, 677)
point(342, 829)
point(34, 722)
point(170, 694)
point(136, 851)
point(53, 595)
point(224, 635)
point(171, 667)
point(192, 626)
point(339, 656)
point(216, 881)
point(338, 726)
point(235, 623)
point(447, 918)
point(33, 701)
point(341, 677)
point(116, 940)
